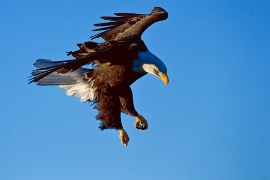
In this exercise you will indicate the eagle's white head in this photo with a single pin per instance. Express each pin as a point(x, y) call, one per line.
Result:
point(149, 63)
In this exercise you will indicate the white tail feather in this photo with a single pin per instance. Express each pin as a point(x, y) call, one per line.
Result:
point(43, 63)
point(76, 83)
point(83, 90)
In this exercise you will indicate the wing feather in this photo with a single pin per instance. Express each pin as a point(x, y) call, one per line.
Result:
point(126, 24)
point(104, 28)
point(107, 24)
point(128, 15)
point(102, 53)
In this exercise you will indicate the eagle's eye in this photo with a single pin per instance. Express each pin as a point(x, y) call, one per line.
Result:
point(156, 71)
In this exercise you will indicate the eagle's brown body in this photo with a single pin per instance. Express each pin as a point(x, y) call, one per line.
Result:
point(118, 62)
point(113, 93)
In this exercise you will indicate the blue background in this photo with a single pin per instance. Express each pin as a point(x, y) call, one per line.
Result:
point(211, 122)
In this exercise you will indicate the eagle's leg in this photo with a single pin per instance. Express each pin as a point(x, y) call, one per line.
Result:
point(123, 137)
point(140, 123)
point(127, 105)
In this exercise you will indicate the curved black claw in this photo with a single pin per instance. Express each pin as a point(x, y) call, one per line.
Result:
point(141, 127)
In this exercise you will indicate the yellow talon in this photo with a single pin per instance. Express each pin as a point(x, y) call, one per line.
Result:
point(123, 137)
point(141, 123)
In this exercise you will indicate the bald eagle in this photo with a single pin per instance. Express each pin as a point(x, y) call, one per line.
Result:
point(116, 63)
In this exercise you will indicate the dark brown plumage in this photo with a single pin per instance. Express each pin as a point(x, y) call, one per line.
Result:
point(117, 63)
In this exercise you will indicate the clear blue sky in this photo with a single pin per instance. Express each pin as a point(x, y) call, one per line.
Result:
point(211, 122)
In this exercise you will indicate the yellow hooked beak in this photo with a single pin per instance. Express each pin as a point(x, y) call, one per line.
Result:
point(164, 78)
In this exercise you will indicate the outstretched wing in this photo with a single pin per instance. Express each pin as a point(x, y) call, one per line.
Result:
point(120, 34)
point(127, 24)
point(98, 53)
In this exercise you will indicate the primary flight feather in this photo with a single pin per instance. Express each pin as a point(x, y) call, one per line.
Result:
point(117, 63)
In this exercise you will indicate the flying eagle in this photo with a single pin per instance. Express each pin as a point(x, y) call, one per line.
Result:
point(116, 64)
